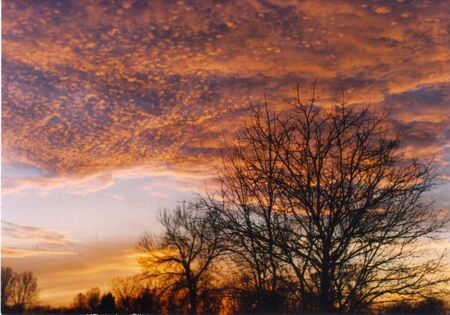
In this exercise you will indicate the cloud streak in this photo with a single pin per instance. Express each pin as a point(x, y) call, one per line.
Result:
point(21, 241)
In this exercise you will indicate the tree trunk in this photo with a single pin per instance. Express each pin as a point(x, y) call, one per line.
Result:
point(324, 294)
point(193, 299)
point(325, 297)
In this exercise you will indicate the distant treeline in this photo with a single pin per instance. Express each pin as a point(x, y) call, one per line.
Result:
point(143, 300)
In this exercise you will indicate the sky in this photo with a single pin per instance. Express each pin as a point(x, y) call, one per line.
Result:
point(113, 111)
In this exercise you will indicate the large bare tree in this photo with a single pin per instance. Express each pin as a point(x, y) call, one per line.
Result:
point(331, 193)
point(250, 217)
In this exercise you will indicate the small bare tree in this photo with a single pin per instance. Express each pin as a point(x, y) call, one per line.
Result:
point(126, 291)
point(25, 291)
point(8, 279)
point(332, 194)
point(93, 299)
point(185, 253)
point(80, 303)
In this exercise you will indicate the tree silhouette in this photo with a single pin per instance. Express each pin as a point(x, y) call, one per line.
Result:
point(8, 279)
point(428, 305)
point(148, 302)
point(107, 304)
point(183, 256)
point(93, 299)
point(80, 303)
point(19, 291)
point(331, 194)
point(126, 292)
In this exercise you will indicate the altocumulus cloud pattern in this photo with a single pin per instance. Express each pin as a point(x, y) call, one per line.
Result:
point(90, 86)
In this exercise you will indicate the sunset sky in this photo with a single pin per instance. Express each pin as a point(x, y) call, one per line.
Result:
point(112, 111)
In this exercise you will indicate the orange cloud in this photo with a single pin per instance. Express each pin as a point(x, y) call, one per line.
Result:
point(15, 232)
point(89, 87)
point(20, 241)
point(12, 252)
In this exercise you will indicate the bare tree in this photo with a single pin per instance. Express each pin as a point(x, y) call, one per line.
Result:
point(87, 302)
point(126, 291)
point(332, 194)
point(185, 253)
point(249, 214)
point(93, 299)
point(80, 303)
point(8, 279)
point(107, 304)
point(25, 291)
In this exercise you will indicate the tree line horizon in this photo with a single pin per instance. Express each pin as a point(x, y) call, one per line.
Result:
point(320, 210)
